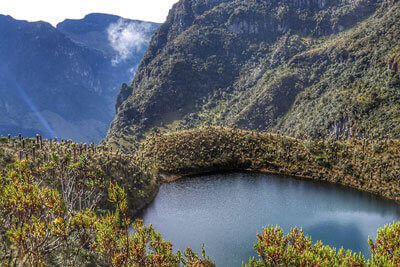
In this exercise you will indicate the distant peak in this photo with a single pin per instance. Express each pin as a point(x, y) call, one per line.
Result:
point(100, 15)
point(92, 20)
point(10, 19)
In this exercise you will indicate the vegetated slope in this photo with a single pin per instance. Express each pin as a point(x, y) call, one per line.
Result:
point(68, 204)
point(81, 162)
point(59, 218)
point(368, 165)
point(299, 67)
point(54, 85)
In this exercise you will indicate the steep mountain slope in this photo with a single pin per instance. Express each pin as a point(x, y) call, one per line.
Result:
point(274, 65)
point(53, 85)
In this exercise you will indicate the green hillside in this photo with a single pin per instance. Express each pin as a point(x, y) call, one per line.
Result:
point(304, 68)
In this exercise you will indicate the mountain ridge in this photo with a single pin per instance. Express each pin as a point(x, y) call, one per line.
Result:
point(52, 84)
point(229, 63)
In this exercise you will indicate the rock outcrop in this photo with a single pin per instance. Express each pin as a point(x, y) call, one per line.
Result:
point(304, 67)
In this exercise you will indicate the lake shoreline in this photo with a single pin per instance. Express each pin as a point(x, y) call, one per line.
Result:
point(170, 178)
point(245, 202)
point(365, 165)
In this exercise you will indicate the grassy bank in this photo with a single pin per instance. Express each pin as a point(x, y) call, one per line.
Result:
point(367, 165)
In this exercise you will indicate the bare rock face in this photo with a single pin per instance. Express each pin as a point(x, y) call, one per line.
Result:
point(254, 64)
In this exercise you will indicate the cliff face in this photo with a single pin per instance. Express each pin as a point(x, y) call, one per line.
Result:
point(277, 65)
point(58, 83)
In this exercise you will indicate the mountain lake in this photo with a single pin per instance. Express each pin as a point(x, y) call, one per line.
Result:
point(225, 211)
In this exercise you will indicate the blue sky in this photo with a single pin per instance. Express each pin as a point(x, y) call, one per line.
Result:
point(54, 11)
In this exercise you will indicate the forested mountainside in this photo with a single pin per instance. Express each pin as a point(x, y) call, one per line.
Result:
point(303, 68)
point(58, 84)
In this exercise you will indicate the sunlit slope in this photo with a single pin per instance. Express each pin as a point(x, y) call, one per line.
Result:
point(304, 68)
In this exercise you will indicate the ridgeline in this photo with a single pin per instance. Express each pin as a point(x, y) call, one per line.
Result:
point(302, 68)
point(368, 165)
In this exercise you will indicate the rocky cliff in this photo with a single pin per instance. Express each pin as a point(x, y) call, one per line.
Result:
point(305, 67)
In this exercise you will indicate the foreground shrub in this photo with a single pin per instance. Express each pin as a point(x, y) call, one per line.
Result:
point(40, 226)
point(297, 249)
point(386, 248)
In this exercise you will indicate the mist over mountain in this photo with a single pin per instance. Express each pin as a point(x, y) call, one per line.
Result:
point(122, 41)
point(63, 81)
point(303, 68)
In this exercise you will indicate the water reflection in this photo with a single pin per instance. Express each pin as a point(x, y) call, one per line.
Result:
point(225, 212)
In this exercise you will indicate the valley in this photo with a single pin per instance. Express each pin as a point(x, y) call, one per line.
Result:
point(63, 82)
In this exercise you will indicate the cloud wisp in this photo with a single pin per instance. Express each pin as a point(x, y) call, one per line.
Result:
point(127, 38)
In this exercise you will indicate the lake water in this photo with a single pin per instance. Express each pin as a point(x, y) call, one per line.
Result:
point(225, 212)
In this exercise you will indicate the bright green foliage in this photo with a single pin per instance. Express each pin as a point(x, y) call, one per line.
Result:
point(192, 259)
point(118, 247)
point(386, 248)
point(296, 249)
point(32, 218)
point(118, 195)
point(39, 226)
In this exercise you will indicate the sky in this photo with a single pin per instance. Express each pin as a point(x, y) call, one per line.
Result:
point(54, 11)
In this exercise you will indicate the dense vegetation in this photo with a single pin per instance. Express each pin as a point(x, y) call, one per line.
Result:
point(63, 203)
point(297, 249)
point(54, 160)
point(365, 164)
point(54, 211)
point(255, 67)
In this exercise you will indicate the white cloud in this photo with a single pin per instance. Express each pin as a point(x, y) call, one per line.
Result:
point(127, 38)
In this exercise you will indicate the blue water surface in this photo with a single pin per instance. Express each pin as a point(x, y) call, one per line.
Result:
point(226, 211)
